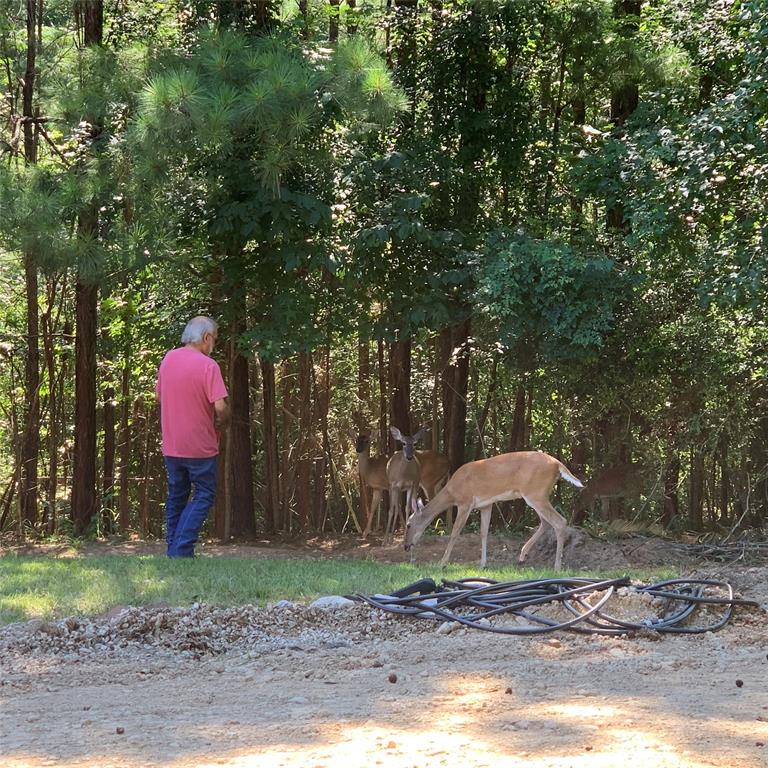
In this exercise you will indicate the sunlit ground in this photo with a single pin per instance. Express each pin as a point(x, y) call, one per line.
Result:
point(462, 722)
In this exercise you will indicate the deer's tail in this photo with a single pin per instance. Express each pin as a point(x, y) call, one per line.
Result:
point(566, 475)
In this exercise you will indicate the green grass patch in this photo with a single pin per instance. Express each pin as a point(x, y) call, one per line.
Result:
point(52, 588)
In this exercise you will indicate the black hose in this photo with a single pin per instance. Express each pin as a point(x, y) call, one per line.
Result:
point(473, 602)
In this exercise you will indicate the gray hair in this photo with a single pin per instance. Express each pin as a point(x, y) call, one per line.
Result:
point(196, 328)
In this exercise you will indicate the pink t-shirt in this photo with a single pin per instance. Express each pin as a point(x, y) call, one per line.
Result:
point(188, 384)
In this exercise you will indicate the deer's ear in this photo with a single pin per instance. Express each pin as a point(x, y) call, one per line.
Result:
point(420, 434)
point(396, 433)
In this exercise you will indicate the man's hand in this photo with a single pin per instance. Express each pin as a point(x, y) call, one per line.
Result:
point(221, 414)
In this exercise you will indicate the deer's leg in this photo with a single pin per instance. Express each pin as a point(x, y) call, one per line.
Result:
point(414, 505)
point(461, 520)
point(549, 516)
point(485, 524)
point(378, 494)
point(534, 538)
point(394, 499)
point(396, 511)
point(409, 503)
point(372, 511)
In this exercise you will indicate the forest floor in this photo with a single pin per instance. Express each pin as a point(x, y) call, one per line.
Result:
point(295, 686)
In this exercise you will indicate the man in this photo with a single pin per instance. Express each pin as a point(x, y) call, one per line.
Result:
point(193, 406)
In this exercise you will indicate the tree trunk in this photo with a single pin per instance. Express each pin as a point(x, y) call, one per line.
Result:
point(304, 443)
point(518, 430)
point(124, 448)
point(144, 497)
point(445, 352)
point(483, 418)
point(304, 13)
point(384, 438)
point(30, 447)
point(53, 457)
point(7, 500)
point(28, 86)
point(333, 21)
point(518, 441)
point(671, 479)
point(55, 395)
point(321, 386)
point(458, 427)
point(108, 495)
point(84, 465)
point(400, 384)
point(271, 454)
point(362, 414)
point(363, 383)
point(725, 483)
point(696, 492)
point(243, 520)
point(352, 20)
point(436, 392)
point(91, 16)
point(287, 459)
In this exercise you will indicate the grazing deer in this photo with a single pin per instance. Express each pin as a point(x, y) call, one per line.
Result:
point(403, 474)
point(530, 475)
point(373, 473)
point(620, 481)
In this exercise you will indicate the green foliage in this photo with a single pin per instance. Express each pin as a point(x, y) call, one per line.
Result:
point(242, 165)
point(240, 140)
point(405, 255)
point(263, 104)
point(547, 300)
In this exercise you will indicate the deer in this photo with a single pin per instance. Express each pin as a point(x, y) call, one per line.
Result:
point(435, 471)
point(373, 473)
point(404, 475)
point(620, 481)
point(530, 475)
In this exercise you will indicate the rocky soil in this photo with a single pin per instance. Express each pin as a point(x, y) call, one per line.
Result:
point(293, 685)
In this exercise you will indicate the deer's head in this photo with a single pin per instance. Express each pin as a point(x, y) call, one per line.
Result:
point(408, 441)
point(415, 526)
point(362, 443)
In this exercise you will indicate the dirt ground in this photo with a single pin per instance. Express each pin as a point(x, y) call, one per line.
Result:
point(298, 686)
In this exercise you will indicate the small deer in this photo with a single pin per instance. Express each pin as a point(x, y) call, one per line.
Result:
point(620, 481)
point(530, 475)
point(403, 474)
point(373, 473)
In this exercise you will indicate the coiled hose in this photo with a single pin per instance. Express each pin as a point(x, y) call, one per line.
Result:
point(473, 602)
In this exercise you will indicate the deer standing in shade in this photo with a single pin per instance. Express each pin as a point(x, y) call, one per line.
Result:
point(619, 481)
point(373, 473)
point(404, 476)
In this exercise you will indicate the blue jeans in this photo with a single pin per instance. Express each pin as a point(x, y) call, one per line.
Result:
point(184, 517)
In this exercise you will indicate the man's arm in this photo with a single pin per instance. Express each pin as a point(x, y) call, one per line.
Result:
point(221, 413)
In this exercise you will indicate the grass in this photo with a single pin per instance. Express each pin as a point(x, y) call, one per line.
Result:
point(51, 588)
